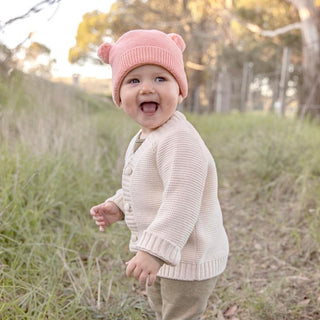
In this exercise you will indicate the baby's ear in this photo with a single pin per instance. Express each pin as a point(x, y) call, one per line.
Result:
point(178, 40)
point(104, 51)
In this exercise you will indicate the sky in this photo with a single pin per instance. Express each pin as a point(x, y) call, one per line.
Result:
point(55, 27)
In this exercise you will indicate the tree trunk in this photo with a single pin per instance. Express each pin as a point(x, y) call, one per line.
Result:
point(310, 93)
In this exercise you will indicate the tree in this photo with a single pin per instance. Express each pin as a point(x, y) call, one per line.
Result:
point(90, 33)
point(37, 60)
point(307, 23)
point(5, 56)
point(310, 95)
point(9, 57)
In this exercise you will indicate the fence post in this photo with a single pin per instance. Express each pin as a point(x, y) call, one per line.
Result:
point(196, 99)
point(284, 79)
point(222, 101)
point(246, 78)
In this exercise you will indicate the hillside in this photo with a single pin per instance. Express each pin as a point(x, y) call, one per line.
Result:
point(61, 153)
point(91, 85)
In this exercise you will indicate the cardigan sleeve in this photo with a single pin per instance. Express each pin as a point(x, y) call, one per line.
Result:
point(117, 199)
point(183, 167)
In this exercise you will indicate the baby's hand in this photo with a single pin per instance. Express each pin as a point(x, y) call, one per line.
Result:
point(105, 214)
point(144, 268)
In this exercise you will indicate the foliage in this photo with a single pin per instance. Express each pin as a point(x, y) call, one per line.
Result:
point(36, 59)
point(61, 153)
point(264, 52)
point(208, 26)
point(35, 49)
point(89, 35)
point(32, 58)
point(5, 53)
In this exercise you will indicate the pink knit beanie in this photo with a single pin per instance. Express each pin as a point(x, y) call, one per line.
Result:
point(140, 47)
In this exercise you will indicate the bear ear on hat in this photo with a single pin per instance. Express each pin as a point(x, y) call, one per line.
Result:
point(104, 52)
point(178, 40)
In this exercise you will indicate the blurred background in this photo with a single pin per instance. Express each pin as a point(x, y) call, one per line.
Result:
point(241, 54)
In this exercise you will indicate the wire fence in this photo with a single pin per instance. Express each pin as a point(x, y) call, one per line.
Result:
point(273, 91)
point(276, 91)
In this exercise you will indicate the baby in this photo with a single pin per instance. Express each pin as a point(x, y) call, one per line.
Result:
point(169, 194)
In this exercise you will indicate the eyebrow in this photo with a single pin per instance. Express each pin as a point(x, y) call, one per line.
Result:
point(130, 75)
point(154, 74)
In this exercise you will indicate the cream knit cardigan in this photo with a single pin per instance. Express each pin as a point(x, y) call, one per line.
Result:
point(170, 202)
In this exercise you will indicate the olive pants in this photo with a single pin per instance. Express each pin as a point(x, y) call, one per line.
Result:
point(180, 300)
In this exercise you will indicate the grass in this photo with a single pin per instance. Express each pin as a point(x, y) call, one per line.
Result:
point(269, 190)
point(62, 152)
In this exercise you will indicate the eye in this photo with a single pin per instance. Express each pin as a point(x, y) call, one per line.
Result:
point(133, 81)
point(160, 79)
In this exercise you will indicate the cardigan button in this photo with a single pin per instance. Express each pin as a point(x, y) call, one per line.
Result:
point(127, 207)
point(128, 171)
point(134, 238)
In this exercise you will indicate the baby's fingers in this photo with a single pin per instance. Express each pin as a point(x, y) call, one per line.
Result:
point(98, 218)
point(94, 211)
point(151, 279)
point(143, 279)
point(130, 268)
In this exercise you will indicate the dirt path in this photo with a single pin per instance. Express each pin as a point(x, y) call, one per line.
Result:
point(273, 270)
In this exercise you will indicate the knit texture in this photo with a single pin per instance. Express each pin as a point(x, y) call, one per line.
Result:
point(169, 197)
point(140, 47)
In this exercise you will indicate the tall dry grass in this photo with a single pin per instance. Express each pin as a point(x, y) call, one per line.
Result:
point(60, 154)
point(62, 151)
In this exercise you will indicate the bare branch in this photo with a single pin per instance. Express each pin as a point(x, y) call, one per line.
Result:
point(35, 9)
point(195, 66)
point(272, 33)
point(266, 33)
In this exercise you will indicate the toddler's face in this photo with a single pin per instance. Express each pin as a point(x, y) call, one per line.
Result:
point(149, 94)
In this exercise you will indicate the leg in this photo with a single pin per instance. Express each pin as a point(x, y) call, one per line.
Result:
point(155, 299)
point(185, 300)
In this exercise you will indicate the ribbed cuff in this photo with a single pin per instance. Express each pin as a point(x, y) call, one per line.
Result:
point(194, 271)
point(118, 200)
point(161, 248)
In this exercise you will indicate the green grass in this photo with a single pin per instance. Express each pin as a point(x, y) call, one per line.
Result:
point(62, 152)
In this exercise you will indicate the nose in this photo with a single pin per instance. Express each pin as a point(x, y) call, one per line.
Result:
point(147, 87)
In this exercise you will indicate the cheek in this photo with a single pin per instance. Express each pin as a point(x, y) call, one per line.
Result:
point(124, 101)
point(127, 108)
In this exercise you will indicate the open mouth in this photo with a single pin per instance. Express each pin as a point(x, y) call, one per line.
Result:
point(149, 106)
